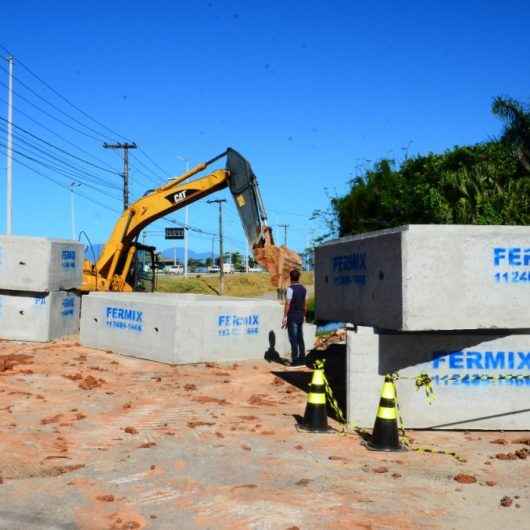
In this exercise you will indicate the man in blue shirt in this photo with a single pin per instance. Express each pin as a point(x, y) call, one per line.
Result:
point(293, 317)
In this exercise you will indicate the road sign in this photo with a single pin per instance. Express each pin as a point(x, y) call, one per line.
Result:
point(174, 233)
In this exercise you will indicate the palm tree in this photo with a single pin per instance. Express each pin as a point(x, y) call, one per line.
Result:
point(517, 126)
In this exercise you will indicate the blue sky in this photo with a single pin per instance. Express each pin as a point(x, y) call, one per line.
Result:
point(308, 91)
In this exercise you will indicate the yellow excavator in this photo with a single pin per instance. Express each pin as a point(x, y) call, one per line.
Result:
point(124, 261)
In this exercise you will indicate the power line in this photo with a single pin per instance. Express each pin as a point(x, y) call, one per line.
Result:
point(64, 98)
point(66, 187)
point(67, 166)
point(145, 154)
point(55, 133)
point(167, 174)
point(81, 111)
point(150, 174)
point(69, 169)
point(58, 169)
point(29, 102)
point(55, 107)
point(72, 176)
point(60, 149)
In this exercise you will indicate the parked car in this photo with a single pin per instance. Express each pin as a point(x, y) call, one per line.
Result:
point(174, 269)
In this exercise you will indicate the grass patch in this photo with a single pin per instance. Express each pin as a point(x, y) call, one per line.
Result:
point(310, 314)
point(250, 285)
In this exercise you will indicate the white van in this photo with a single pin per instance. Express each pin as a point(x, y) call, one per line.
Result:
point(175, 269)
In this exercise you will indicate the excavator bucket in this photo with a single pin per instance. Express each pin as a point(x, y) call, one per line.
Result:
point(278, 261)
point(245, 190)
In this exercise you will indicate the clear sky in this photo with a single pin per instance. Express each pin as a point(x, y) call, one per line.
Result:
point(308, 91)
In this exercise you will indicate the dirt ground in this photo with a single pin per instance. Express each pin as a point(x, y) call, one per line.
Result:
point(94, 440)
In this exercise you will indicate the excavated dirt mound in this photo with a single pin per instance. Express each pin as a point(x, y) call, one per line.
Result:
point(8, 362)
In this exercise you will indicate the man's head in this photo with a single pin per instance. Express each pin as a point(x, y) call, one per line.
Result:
point(294, 275)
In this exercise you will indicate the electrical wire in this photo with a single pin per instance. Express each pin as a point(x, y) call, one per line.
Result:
point(64, 98)
point(148, 175)
point(79, 148)
point(66, 166)
point(75, 120)
point(52, 105)
point(25, 131)
point(92, 130)
point(70, 175)
point(167, 174)
point(66, 187)
point(46, 113)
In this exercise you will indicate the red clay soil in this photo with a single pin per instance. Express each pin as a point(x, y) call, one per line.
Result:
point(177, 447)
point(8, 362)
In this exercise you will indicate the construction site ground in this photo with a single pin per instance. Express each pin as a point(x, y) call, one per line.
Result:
point(95, 440)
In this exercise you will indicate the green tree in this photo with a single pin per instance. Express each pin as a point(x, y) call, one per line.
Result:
point(479, 184)
point(517, 126)
point(237, 260)
point(486, 183)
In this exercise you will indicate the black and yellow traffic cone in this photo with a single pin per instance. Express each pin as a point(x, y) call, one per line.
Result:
point(385, 436)
point(316, 414)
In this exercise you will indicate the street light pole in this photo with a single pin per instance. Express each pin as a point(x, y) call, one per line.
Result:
point(186, 220)
point(9, 161)
point(221, 260)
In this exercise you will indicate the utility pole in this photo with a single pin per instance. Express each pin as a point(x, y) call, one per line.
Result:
point(126, 146)
point(72, 210)
point(285, 227)
point(221, 259)
point(213, 252)
point(9, 162)
point(186, 220)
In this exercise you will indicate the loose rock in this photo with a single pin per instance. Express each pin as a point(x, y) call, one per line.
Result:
point(105, 498)
point(506, 501)
point(462, 478)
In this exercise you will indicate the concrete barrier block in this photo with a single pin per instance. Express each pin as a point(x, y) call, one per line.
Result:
point(427, 277)
point(181, 329)
point(38, 264)
point(39, 317)
point(480, 381)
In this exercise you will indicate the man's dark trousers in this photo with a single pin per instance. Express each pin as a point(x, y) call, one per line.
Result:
point(296, 338)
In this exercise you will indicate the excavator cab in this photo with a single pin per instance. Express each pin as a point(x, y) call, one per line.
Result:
point(142, 275)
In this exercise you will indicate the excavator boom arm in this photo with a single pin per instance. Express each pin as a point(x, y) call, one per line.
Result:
point(111, 269)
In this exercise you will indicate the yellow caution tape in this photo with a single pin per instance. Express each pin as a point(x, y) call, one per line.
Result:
point(421, 381)
point(405, 440)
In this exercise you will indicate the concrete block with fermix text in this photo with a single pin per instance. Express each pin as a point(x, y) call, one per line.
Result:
point(38, 317)
point(39, 264)
point(427, 277)
point(185, 328)
point(480, 380)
